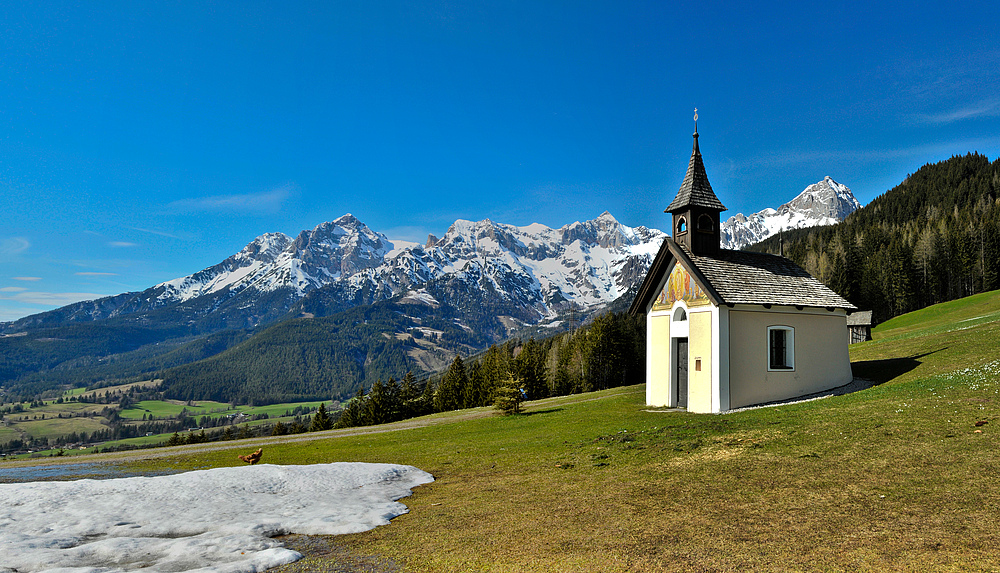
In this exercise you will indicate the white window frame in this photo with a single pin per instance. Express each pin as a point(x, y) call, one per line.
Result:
point(789, 362)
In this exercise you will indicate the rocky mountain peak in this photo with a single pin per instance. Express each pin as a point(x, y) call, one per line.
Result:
point(826, 199)
point(824, 203)
point(266, 247)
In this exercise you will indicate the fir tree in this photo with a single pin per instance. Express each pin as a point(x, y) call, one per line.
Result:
point(409, 395)
point(510, 395)
point(449, 393)
point(529, 367)
point(321, 421)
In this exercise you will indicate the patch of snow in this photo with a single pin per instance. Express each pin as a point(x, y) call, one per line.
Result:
point(399, 246)
point(217, 520)
point(421, 296)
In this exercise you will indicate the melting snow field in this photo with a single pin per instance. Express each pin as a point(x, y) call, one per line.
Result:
point(217, 520)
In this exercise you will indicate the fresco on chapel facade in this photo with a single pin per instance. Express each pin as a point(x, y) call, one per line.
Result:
point(680, 286)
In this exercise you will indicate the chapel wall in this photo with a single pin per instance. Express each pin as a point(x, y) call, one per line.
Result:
point(821, 357)
point(700, 349)
point(658, 357)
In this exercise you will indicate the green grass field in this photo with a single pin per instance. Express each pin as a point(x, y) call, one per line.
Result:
point(55, 420)
point(897, 477)
point(173, 408)
point(53, 410)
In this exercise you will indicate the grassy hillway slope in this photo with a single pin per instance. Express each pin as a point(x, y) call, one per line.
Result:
point(893, 478)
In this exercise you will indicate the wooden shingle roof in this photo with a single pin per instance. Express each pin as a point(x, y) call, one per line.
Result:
point(860, 318)
point(740, 277)
point(695, 189)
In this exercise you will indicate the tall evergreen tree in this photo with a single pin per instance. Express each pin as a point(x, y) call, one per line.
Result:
point(450, 392)
point(321, 421)
point(529, 367)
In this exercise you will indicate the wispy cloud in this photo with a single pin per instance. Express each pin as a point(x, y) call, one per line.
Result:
point(158, 233)
point(13, 289)
point(27, 278)
point(985, 108)
point(122, 244)
point(90, 274)
point(14, 246)
point(265, 201)
point(50, 299)
point(940, 149)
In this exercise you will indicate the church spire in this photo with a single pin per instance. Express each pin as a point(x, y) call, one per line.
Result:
point(695, 190)
point(696, 209)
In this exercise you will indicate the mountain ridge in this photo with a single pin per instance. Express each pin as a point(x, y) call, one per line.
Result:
point(575, 264)
point(823, 203)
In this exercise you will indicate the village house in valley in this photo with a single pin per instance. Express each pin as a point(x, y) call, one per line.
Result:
point(726, 329)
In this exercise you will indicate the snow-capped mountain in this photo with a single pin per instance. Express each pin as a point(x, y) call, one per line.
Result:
point(525, 273)
point(823, 203)
point(330, 252)
point(535, 271)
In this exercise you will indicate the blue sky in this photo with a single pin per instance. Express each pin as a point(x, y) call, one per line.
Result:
point(140, 142)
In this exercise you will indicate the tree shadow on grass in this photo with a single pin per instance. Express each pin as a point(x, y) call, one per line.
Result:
point(882, 371)
point(548, 411)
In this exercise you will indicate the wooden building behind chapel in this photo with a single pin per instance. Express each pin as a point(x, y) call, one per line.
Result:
point(727, 329)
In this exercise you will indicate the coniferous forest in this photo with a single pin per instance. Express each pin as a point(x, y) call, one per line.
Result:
point(607, 353)
point(934, 237)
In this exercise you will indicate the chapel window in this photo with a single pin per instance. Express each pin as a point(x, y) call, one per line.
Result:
point(780, 348)
point(682, 225)
point(705, 223)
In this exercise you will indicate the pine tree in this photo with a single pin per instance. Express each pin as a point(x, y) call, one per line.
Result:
point(321, 421)
point(409, 395)
point(450, 392)
point(510, 395)
point(529, 367)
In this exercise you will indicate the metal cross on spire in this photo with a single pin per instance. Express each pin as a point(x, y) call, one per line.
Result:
point(696, 120)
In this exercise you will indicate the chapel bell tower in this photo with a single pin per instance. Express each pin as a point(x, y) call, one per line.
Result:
point(696, 209)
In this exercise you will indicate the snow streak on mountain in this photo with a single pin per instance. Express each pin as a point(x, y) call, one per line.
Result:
point(823, 203)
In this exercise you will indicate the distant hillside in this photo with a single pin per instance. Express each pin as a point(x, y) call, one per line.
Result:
point(319, 358)
point(934, 237)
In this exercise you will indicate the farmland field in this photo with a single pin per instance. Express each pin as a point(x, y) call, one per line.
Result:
point(56, 419)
